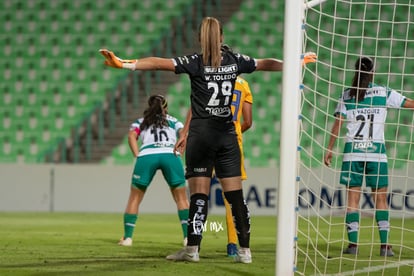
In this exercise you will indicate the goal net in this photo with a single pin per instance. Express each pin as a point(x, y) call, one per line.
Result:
point(340, 32)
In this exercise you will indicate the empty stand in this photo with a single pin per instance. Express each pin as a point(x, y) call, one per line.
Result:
point(52, 69)
point(53, 75)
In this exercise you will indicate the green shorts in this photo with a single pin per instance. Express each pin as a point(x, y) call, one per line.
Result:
point(146, 166)
point(353, 172)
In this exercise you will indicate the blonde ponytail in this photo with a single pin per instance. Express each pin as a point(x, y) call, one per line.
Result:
point(210, 41)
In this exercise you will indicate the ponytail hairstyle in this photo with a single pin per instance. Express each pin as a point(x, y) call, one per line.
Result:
point(210, 36)
point(364, 68)
point(156, 112)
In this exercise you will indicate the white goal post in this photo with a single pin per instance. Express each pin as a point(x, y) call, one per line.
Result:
point(289, 136)
point(287, 192)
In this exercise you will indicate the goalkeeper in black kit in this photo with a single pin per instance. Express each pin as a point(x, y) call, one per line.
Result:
point(211, 139)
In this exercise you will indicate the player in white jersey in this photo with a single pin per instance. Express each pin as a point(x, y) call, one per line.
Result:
point(158, 133)
point(363, 108)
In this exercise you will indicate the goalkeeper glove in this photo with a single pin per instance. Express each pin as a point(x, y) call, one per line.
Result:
point(112, 60)
point(309, 57)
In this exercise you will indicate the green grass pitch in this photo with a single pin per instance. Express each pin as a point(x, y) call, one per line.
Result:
point(86, 244)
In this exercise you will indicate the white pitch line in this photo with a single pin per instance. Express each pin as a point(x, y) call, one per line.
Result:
point(372, 268)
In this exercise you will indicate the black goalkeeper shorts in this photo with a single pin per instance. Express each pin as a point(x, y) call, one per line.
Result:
point(212, 145)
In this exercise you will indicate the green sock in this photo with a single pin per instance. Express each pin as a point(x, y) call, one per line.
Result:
point(183, 216)
point(352, 224)
point(129, 224)
point(382, 218)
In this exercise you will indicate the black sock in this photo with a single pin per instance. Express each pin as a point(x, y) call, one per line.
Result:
point(197, 218)
point(241, 216)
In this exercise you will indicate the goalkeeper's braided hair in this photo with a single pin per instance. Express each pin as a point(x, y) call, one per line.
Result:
point(364, 69)
point(156, 112)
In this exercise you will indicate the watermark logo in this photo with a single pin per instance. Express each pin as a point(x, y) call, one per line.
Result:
point(212, 226)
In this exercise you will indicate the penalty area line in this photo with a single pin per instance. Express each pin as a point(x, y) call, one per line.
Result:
point(372, 268)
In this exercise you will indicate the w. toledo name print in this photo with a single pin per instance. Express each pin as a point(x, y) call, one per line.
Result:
point(222, 73)
point(220, 83)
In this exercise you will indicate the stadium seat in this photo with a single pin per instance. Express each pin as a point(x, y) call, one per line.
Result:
point(121, 155)
point(9, 150)
point(50, 49)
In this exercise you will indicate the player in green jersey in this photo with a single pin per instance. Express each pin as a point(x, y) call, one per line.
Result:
point(363, 108)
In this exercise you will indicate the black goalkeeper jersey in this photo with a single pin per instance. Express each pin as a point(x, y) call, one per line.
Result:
point(212, 88)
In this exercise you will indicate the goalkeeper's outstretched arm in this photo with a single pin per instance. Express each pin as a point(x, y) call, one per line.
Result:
point(148, 63)
point(167, 64)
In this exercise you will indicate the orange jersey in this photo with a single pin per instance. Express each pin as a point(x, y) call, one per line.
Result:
point(241, 94)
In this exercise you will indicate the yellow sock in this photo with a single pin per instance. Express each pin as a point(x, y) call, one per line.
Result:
point(231, 229)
